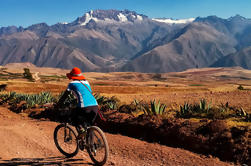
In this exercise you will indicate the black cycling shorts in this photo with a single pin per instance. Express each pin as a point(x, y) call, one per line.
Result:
point(86, 115)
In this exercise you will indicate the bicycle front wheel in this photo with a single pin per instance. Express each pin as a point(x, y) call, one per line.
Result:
point(97, 148)
point(66, 140)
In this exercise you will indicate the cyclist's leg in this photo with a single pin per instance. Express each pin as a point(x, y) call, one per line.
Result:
point(90, 114)
point(84, 117)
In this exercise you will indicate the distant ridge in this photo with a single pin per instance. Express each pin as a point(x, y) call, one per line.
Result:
point(114, 40)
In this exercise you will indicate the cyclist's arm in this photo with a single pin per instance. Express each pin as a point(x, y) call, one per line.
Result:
point(62, 98)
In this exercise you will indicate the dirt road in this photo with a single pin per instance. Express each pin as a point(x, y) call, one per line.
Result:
point(30, 142)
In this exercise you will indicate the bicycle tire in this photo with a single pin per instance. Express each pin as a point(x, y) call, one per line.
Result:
point(105, 145)
point(74, 138)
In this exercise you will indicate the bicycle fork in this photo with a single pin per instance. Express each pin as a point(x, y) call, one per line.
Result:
point(67, 134)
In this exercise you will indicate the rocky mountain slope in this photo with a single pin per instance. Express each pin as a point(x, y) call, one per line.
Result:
point(112, 40)
point(241, 58)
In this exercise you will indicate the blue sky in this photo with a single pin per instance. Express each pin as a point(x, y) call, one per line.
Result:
point(28, 12)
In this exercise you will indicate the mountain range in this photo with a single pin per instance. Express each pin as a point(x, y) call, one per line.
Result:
point(113, 40)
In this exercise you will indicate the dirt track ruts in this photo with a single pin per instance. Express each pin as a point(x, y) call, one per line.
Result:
point(25, 141)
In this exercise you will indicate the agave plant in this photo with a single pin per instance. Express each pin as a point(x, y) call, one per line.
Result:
point(184, 110)
point(112, 106)
point(203, 106)
point(154, 108)
point(157, 108)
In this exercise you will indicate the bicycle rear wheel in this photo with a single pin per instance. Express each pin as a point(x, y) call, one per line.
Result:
point(66, 140)
point(97, 148)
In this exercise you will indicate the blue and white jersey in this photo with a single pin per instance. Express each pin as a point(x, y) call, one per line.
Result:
point(83, 95)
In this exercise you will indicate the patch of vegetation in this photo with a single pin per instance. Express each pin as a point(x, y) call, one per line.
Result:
point(27, 74)
point(153, 108)
point(4, 75)
point(30, 99)
point(196, 85)
point(206, 110)
point(200, 110)
point(240, 87)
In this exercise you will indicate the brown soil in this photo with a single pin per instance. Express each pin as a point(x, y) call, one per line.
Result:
point(30, 142)
point(210, 137)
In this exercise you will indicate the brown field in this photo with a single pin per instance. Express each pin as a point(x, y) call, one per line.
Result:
point(217, 85)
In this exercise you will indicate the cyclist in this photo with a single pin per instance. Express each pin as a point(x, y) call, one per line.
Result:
point(87, 106)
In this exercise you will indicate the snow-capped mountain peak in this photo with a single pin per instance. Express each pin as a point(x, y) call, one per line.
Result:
point(109, 16)
point(122, 17)
point(172, 21)
point(88, 17)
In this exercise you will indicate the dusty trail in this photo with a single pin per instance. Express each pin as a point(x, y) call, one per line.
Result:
point(30, 142)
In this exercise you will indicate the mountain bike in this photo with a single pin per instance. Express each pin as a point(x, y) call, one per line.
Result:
point(92, 139)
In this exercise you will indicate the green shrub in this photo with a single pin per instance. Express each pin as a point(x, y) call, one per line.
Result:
point(27, 74)
point(240, 87)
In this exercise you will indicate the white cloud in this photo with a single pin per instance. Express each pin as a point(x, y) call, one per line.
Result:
point(171, 21)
